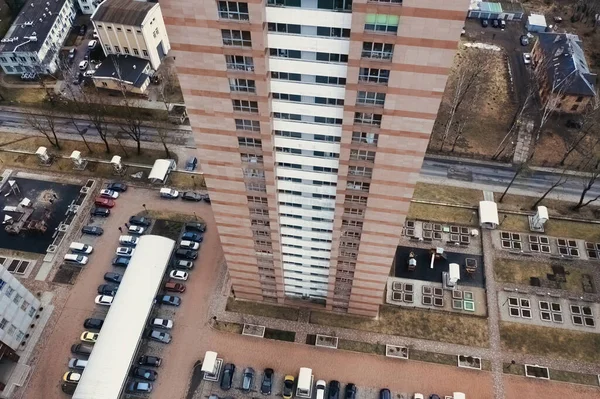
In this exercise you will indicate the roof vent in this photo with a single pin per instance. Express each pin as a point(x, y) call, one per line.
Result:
point(32, 5)
point(135, 66)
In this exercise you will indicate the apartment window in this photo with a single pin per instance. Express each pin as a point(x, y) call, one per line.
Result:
point(251, 158)
point(135, 51)
point(352, 223)
point(365, 138)
point(245, 106)
point(370, 98)
point(256, 222)
point(373, 75)
point(579, 99)
point(9, 291)
point(13, 59)
point(3, 324)
point(284, 28)
point(332, 32)
point(308, 55)
point(388, 1)
point(104, 84)
point(233, 10)
point(3, 59)
point(117, 49)
point(379, 51)
point(244, 85)
point(262, 212)
point(20, 336)
point(381, 23)
point(247, 124)
point(358, 185)
point(17, 299)
point(351, 234)
point(287, 97)
point(362, 155)
point(339, 5)
point(236, 38)
point(11, 329)
point(283, 133)
point(348, 253)
point(2, 284)
point(574, 107)
point(107, 46)
point(249, 142)
point(126, 49)
point(31, 311)
point(239, 63)
point(354, 212)
point(360, 171)
point(109, 28)
point(367, 118)
point(328, 57)
point(145, 53)
point(257, 200)
point(22, 59)
point(261, 187)
point(138, 31)
point(119, 29)
point(25, 305)
point(128, 30)
point(155, 33)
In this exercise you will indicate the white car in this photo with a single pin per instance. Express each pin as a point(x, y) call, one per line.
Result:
point(92, 44)
point(136, 229)
point(106, 193)
point(162, 323)
point(83, 65)
point(125, 251)
point(185, 244)
point(527, 58)
point(89, 73)
point(178, 275)
point(105, 300)
point(129, 241)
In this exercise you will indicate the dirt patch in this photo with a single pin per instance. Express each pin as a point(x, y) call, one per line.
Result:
point(66, 275)
point(445, 214)
point(432, 357)
point(235, 328)
point(574, 378)
point(167, 228)
point(261, 309)
point(447, 194)
point(280, 335)
point(364, 347)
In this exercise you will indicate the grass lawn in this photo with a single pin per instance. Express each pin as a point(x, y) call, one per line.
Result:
point(552, 342)
point(280, 335)
point(575, 378)
point(167, 228)
point(554, 227)
point(448, 194)
point(445, 214)
point(24, 96)
point(431, 325)
point(172, 216)
point(357, 346)
point(261, 309)
point(186, 181)
point(228, 327)
point(432, 357)
point(519, 272)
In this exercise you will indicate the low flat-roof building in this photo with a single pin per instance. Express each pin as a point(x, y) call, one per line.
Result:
point(118, 72)
point(506, 10)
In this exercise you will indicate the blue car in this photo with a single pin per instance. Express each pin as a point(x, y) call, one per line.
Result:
point(191, 236)
point(120, 261)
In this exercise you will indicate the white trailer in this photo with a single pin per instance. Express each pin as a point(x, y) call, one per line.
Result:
point(305, 383)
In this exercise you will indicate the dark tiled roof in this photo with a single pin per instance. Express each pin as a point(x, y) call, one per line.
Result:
point(37, 19)
point(129, 69)
point(567, 64)
point(125, 12)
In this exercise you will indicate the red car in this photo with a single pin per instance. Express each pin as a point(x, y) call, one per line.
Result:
point(174, 287)
point(104, 202)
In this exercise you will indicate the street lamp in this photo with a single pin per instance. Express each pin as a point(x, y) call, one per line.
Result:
point(145, 209)
point(193, 181)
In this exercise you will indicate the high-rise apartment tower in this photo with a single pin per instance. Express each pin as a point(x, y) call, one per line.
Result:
point(311, 119)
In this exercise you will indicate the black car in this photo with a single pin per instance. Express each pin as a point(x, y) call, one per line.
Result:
point(191, 163)
point(120, 261)
point(92, 230)
point(68, 388)
point(192, 196)
point(385, 394)
point(103, 212)
point(118, 187)
point(267, 382)
point(107, 289)
point(434, 396)
point(572, 123)
point(485, 23)
point(495, 23)
point(151, 361)
point(95, 324)
point(206, 198)
point(195, 226)
point(139, 386)
point(169, 300)
point(227, 377)
point(502, 24)
point(186, 254)
point(113, 277)
point(350, 391)
point(248, 380)
point(144, 373)
point(82, 30)
point(524, 40)
point(334, 390)
point(140, 221)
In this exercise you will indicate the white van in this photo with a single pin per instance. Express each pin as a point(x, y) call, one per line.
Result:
point(129, 241)
point(79, 248)
point(169, 193)
point(79, 364)
point(77, 259)
point(305, 383)
point(321, 385)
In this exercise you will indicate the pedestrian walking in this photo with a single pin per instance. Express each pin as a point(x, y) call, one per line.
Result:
point(120, 229)
point(126, 225)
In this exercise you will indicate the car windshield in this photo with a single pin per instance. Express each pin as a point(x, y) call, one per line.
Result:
point(288, 385)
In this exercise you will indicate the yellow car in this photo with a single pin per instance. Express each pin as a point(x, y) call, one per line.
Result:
point(71, 377)
point(87, 336)
point(288, 387)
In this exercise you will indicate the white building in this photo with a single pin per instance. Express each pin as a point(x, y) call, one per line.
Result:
point(18, 307)
point(132, 27)
point(33, 41)
point(88, 7)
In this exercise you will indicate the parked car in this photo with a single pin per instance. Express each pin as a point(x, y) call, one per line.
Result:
point(117, 186)
point(75, 259)
point(334, 390)
point(174, 287)
point(158, 336)
point(83, 65)
point(140, 221)
point(92, 230)
point(169, 300)
point(385, 394)
point(495, 23)
point(120, 261)
point(72, 53)
point(191, 236)
point(151, 361)
point(68, 388)
point(267, 382)
point(206, 198)
point(113, 277)
point(186, 254)
point(88, 336)
point(248, 379)
point(107, 289)
point(574, 124)
point(129, 241)
point(80, 248)
point(162, 323)
point(77, 364)
point(191, 196)
point(139, 230)
point(102, 212)
point(178, 275)
point(144, 373)
point(502, 24)
point(351, 391)
point(125, 251)
point(434, 396)
point(82, 349)
point(104, 300)
point(524, 40)
point(94, 324)
point(227, 377)
point(168, 193)
point(526, 58)
point(321, 385)
point(191, 163)
point(71, 376)
point(195, 226)
point(92, 44)
point(183, 264)
point(139, 386)
point(185, 244)
point(418, 396)
point(82, 30)
point(485, 23)
point(111, 194)
point(104, 202)
point(288, 387)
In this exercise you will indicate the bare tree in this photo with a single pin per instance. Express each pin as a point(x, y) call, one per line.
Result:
point(45, 123)
point(163, 133)
point(516, 122)
point(589, 125)
point(562, 179)
point(520, 169)
point(588, 180)
point(131, 123)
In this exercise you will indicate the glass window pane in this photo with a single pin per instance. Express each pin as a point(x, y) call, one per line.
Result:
point(370, 19)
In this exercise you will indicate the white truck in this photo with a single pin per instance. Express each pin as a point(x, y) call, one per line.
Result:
point(305, 383)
